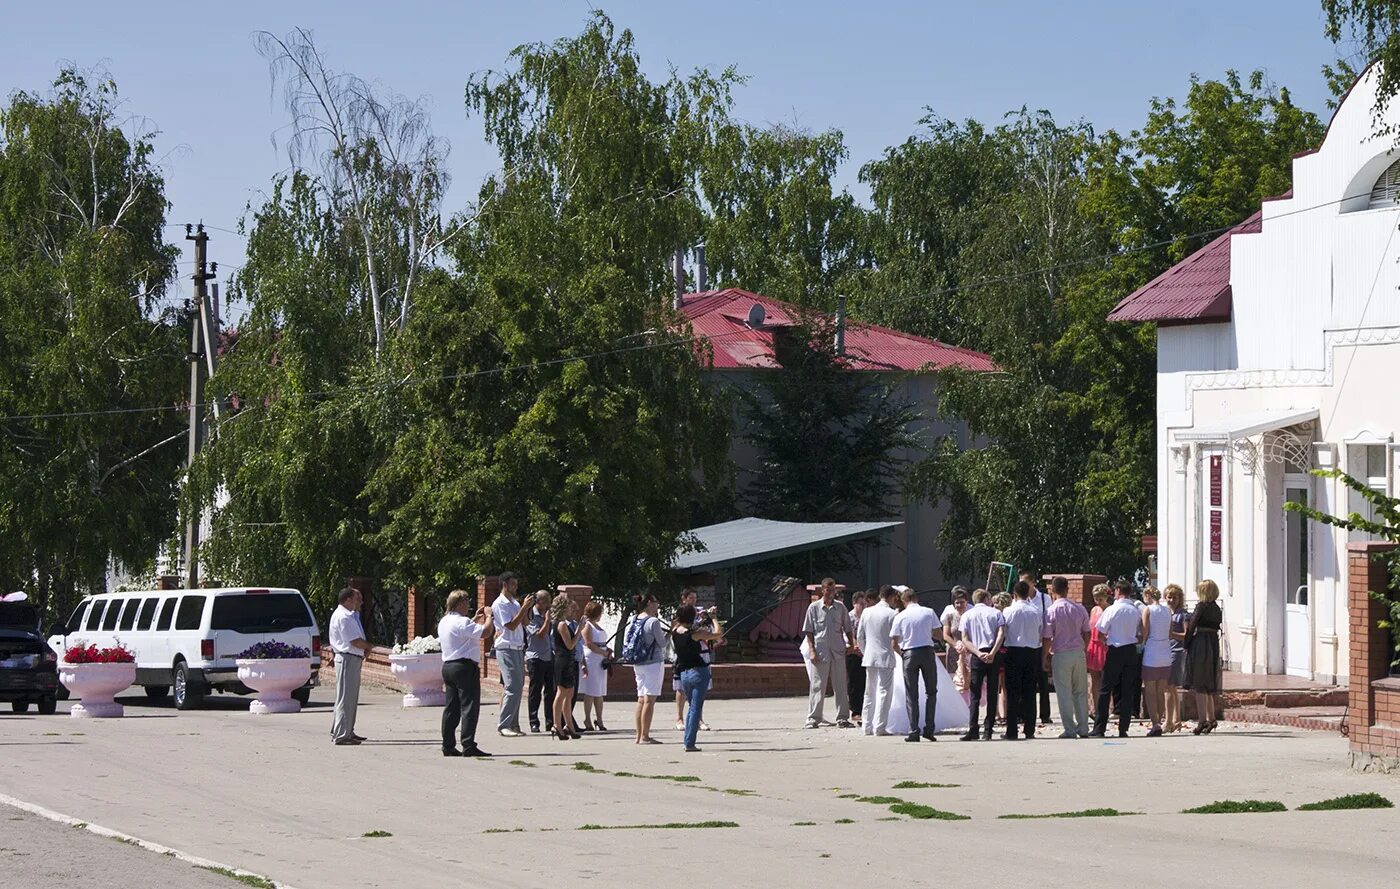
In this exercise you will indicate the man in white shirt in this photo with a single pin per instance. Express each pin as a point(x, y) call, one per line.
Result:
point(983, 630)
point(1122, 626)
point(1042, 601)
point(912, 636)
point(877, 658)
point(347, 639)
point(510, 618)
point(1023, 656)
point(461, 673)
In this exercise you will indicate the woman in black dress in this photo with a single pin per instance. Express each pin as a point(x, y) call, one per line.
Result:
point(563, 615)
point(1203, 654)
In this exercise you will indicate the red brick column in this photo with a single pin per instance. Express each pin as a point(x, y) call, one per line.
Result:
point(1081, 587)
point(418, 617)
point(487, 589)
point(1373, 699)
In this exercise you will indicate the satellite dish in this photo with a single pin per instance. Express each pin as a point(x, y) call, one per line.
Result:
point(757, 315)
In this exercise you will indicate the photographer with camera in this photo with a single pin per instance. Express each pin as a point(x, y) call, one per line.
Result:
point(689, 634)
point(701, 620)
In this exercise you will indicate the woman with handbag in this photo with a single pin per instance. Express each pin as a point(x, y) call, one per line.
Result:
point(597, 657)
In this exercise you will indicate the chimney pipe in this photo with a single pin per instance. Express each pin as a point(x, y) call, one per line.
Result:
point(678, 271)
point(840, 325)
point(702, 274)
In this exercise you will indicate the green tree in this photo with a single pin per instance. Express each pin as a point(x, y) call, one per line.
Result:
point(1373, 28)
point(88, 475)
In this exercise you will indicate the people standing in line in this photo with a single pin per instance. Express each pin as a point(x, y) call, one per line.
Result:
point(1067, 629)
point(1122, 627)
point(509, 617)
point(1176, 601)
point(1096, 652)
point(646, 646)
point(877, 660)
point(830, 636)
point(460, 637)
point(1156, 657)
point(539, 662)
point(912, 636)
point(855, 673)
point(949, 621)
point(689, 597)
point(1024, 654)
point(1041, 600)
point(593, 687)
point(689, 632)
point(983, 629)
point(347, 639)
point(1203, 654)
point(563, 613)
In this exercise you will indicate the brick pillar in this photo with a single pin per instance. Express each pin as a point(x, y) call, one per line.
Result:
point(487, 589)
point(1370, 645)
point(366, 587)
point(167, 582)
point(418, 616)
point(1081, 587)
point(578, 592)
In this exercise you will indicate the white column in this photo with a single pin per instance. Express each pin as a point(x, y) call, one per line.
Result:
point(1177, 543)
point(1245, 560)
point(1326, 566)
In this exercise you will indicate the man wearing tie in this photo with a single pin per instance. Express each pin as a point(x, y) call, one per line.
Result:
point(877, 657)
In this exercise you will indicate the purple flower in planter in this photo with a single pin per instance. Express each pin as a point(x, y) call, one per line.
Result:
point(273, 651)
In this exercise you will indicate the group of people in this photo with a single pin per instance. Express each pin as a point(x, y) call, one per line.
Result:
point(1009, 649)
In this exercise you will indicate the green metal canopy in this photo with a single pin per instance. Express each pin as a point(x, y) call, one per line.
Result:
point(743, 541)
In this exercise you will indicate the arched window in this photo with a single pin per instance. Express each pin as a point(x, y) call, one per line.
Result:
point(1386, 191)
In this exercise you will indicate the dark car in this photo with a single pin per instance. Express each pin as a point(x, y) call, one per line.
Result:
point(28, 667)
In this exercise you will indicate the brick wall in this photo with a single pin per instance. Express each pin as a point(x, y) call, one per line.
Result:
point(1373, 699)
point(1081, 587)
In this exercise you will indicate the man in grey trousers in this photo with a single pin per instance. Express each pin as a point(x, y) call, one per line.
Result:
point(347, 640)
point(830, 637)
point(510, 619)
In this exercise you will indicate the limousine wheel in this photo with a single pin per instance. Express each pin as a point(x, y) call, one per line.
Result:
point(48, 706)
point(19, 706)
point(186, 697)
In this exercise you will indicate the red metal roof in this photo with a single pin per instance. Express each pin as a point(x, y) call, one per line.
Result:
point(1197, 289)
point(721, 317)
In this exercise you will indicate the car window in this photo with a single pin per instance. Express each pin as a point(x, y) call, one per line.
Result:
point(95, 615)
point(114, 610)
point(148, 613)
point(167, 612)
point(191, 610)
point(75, 620)
point(129, 614)
point(260, 613)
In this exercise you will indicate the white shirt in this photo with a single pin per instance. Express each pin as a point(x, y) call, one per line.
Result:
point(980, 624)
point(1022, 625)
point(914, 626)
point(1041, 602)
point(345, 628)
point(460, 637)
point(503, 611)
point(873, 635)
point(1119, 622)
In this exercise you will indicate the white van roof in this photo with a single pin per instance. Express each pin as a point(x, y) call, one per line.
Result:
point(203, 591)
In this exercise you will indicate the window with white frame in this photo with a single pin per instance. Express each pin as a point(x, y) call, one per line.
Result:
point(1386, 191)
point(1369, 464)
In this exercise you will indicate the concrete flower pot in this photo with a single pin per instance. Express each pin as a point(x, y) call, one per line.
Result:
point(274, 679)
point(422, 673)
point(96, 685)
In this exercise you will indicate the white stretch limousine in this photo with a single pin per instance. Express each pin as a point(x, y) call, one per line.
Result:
point(185, 641)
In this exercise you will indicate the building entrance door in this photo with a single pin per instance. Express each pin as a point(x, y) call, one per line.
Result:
point(1297, 622)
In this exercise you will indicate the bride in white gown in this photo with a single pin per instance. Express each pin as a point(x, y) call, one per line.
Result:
point(950, 710)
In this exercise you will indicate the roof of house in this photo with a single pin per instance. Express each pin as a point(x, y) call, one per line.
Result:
point(747, 540)
point(1195, 290)
point(722, 318)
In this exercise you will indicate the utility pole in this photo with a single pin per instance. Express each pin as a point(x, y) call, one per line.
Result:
point(202, 347)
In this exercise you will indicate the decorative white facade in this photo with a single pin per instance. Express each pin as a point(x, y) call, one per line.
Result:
point(1304, 373)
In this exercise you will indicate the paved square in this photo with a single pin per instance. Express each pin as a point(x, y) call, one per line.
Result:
point(273, 796)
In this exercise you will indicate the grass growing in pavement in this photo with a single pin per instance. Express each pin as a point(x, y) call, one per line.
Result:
point(879, 800)
point(504, 830)
point(849, 796)
point(914, 810)
point(845, 821)
point(521, 762)
point(804, 824)
point(588, 767)
point(673, 825)
point(376, 834)
point(890, 818)
point(1350, 801)
point(246, 879)
point(1235, 807)
point(683, 779)
point(916, 785)
point(1082, 813)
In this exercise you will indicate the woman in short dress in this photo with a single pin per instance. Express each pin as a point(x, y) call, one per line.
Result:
point(1156, 657)
point(1176, 601)
point(1097, 652)
point(593, 687)
point(562, 614)
point(1203, 654)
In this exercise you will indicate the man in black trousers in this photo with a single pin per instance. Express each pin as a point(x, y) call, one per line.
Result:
point(1122, 670)
point(1023, 656)
point(1041, 601)
point(855, 673)
point(983, 631)
point(461, 673)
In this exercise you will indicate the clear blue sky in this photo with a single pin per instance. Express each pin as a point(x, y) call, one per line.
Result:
point(867, 68)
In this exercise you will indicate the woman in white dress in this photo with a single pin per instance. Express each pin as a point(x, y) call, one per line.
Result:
point(594, 686)
point(1156, 656)
point(950, 710)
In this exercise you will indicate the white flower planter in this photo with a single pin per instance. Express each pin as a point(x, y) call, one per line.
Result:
point(274, 679)
point(96, 685)
point(422, 673)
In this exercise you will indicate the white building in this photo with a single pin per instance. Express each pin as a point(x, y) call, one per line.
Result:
point(1277, 346)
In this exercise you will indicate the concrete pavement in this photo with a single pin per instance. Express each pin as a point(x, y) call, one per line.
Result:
point(273, 796)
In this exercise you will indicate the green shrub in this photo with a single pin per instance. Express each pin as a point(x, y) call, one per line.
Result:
point(1236, 807)
point(1350, 801)
point(914, 810)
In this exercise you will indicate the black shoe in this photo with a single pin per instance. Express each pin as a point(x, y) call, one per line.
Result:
point(347, 742)
point(534, 728)
point(1009, 737)
point(452, 752)
point(1096, 733)
point(358, 737)
point(930, 736)
point(476, 752)
point(968, 736)
point(987, 735)
point(912, 737)
point(1123, 733)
